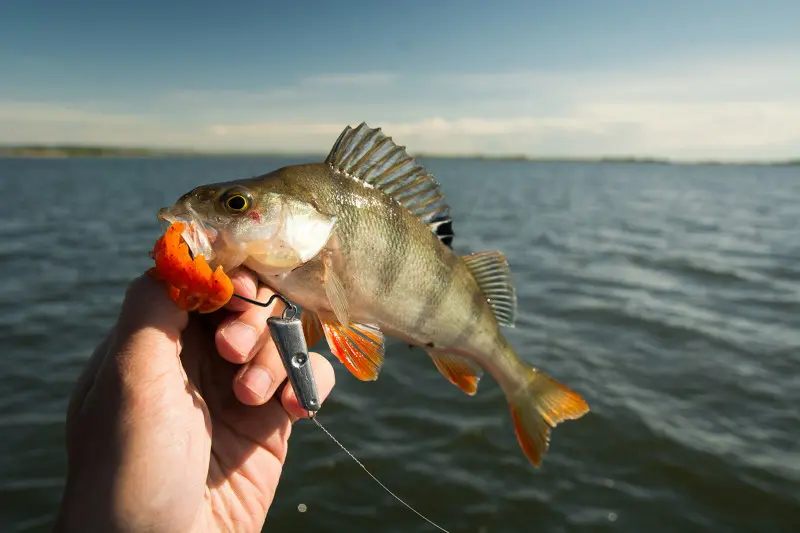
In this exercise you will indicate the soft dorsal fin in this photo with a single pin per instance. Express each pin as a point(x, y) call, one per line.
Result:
point(493, 274)
point(369, 155)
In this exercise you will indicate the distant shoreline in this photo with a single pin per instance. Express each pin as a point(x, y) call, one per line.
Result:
point(60, 152)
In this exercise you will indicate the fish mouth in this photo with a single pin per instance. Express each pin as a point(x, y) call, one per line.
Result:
point(198, 236)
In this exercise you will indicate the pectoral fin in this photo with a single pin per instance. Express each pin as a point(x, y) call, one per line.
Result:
point(337, 296)
point(359, 347)
point(458, 370)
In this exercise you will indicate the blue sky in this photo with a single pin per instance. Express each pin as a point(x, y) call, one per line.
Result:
point(682, 79)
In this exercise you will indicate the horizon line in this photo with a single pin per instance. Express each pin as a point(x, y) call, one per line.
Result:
point(67, 150)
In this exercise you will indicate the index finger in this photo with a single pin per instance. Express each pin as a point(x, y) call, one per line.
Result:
point(245, 283)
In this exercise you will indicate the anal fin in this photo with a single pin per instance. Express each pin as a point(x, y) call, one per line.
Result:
point(458, 370)
point(359, 347)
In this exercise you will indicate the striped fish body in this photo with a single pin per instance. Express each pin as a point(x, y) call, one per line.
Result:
point(396, 273)
point(363, 245)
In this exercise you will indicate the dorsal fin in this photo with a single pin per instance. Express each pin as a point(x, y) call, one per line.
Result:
point(369, 155)
point(493, 274)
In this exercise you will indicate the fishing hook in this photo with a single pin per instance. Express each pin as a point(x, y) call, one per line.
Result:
point(289, 312)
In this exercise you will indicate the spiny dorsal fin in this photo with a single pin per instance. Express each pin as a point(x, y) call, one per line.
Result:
point(493, 274)
point(369, 155)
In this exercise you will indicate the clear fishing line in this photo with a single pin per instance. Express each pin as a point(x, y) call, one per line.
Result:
point(302, 387)
point(384, 487)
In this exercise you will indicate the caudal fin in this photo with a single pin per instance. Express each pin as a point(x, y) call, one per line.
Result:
point(538, 406)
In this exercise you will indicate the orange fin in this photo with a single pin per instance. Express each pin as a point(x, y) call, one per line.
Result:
point(359, 347)
point(458, 370)
point(311, 327)
point(542, 403)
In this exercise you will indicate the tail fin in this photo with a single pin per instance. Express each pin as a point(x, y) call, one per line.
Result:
point(540, 404)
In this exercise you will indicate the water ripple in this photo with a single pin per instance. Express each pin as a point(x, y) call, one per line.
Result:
point(668, 296)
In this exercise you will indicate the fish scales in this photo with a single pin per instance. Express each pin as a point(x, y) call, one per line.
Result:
point(379, 239)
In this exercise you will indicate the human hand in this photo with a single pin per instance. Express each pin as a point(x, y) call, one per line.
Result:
point(168, 430)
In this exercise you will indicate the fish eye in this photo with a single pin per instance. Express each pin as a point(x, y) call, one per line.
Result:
point(236, 202)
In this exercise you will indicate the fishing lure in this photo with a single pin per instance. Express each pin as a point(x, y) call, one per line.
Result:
point(193, 286)
point(290, 340)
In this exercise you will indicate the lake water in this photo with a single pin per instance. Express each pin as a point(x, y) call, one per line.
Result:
point(669, 296)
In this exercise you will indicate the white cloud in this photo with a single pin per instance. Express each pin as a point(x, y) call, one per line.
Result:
point(767, 73)
point(306, 88)
point(732, 108)
point(726, 129)
point(46, 113)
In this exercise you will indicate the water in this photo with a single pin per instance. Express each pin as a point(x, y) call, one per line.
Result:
point(669, 296)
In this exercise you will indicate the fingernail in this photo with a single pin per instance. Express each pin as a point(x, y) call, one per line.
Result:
point(242, 337)
point(258, 380)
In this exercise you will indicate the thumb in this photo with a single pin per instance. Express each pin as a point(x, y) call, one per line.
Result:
point(147, 339)
point(132, 421)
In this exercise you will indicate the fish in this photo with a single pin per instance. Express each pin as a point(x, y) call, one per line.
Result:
point(191, 283)
point(362, 242)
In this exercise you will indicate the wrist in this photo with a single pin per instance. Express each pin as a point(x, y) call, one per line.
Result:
point(80, 512)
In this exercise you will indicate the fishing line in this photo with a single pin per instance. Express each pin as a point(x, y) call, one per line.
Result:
point(287, 332)
point(313, 417)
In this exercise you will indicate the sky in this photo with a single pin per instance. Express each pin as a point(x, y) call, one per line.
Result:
point(681, 79)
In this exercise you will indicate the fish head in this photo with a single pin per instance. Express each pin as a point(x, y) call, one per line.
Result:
point(250, 223)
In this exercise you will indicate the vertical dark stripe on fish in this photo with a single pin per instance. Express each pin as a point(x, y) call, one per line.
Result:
point(478, 305)
point(441, 286)
point(391, 263)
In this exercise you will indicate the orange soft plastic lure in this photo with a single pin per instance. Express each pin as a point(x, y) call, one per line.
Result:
point(193, 286)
